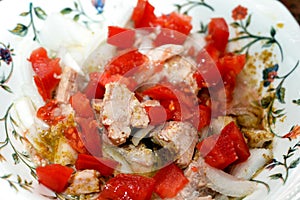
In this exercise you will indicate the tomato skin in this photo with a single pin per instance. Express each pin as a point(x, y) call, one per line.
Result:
point(221, 150)
point(81, 105)
point(47, 70)
point(48, 113)
point(218, 151)
point(232, 62)
point(175, 28)
point(240, 145)
point(218, 33)
point(143, 14)
point(128, 187)
point(169, 181)
point(90, 135)
point(120, 37)
point(105, 166)
point(73, 137)
point(54, 176)
point(202, 117)
point(94, 90)
point(127, 63)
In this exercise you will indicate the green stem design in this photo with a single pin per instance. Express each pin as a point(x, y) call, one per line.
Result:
point(272, 97)
point(32, 23)
point(20, 156)
point(189, 5)
point(246, 35)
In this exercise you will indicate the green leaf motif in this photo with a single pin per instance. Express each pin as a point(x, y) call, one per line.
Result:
point(16, 158)
point(76, 17)
point(295, 163)
point(40, 13)
point(6, 88)
point(20, 30)
point(66, 11)
point(273, 32)
point(268, 44)
point(276, 176)
point(297, 102)
point(280, 94)
point(248, 22)
point(235, 25)
point(24, 14)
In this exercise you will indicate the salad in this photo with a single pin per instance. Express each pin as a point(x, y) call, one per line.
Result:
point(155, 112)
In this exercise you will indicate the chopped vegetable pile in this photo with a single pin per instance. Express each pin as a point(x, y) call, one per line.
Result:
point(158, 120)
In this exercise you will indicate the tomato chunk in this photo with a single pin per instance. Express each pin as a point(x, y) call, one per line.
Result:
point(47, 71)
point(94, 90)
point(240, 145)
point(157, 114)
point(175, 26)
point(143, 14)
point(74, 139)
point(81, 105)
point(50, 113)
point(120, 37)
point(128, 186)
point(232, 62)
point(218, 151)
point(221, 150)
point(105, 166)
point(127, 63)
point(169, 181)
point(54, 176)
point(90, 135)
point(218, 33)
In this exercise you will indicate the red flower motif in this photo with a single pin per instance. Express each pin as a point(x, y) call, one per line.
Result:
point(239, 13)
point(294, 133)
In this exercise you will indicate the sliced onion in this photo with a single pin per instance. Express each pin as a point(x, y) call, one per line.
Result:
point(227, 184)
point(259, 157)
point(140, 134)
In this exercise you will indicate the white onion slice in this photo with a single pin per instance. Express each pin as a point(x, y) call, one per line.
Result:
point(140, 134)
point(258, 158)
point(227, 184)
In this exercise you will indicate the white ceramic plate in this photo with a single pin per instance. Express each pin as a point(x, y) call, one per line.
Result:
point(284, 182)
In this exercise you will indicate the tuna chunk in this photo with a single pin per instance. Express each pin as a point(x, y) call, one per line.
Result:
point(180, 137)
point(84, 182)
point(121, 110)
point(67, 85)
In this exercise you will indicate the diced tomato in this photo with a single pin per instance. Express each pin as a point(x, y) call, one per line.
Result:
point(232, 62)
point(161, 92)
point(143, 14)
point(81, 105)
point(202, 117)
point(126, 64)
point(50, 113)
point(218, 151)
point(175, 28)
point(120, 37)
point(176, 21)
point(207, 73)
point(47, 71)
point(218, 33)
point(105, 166)
point(157, 114)
point(94, 90)
point(169, 181)
point(240, 145)
point(54, 176)
point(214, 53)
point(128, 186)
point(221, 150)
point(90, 135)
point(74, 139)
